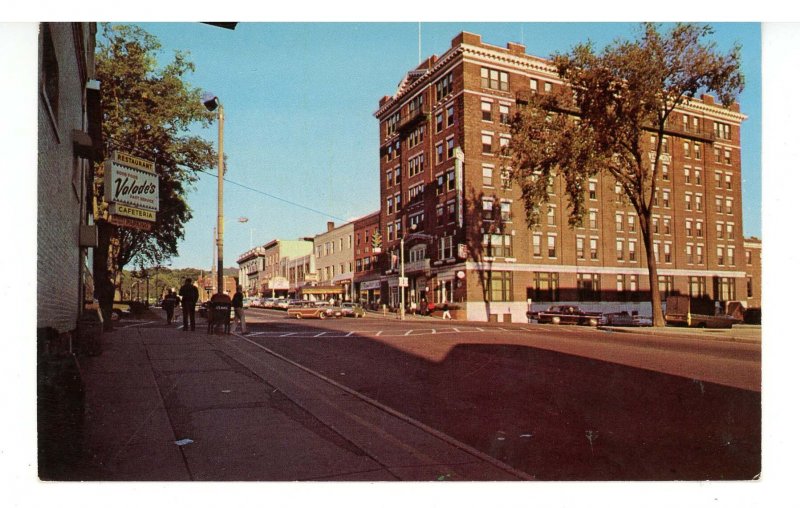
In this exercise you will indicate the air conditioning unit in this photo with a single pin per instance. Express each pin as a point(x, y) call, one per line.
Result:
point(88, 236)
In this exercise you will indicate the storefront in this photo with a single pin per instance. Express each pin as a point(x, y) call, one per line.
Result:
point(369, 293)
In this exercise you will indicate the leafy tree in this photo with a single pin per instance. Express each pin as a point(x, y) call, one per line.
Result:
point(602, 120)
point(147, 111)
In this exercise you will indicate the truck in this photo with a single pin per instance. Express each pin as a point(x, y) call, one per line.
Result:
point(567, 315)
point(685, 311)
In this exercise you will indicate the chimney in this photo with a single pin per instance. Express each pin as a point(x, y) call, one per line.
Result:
point(330, 225)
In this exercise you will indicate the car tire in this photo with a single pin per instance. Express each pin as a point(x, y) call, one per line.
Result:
point(556, 320)
point(322, 315)
point(116, 315)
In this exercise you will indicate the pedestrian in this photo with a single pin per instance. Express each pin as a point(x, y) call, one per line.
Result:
point(189, 296)
point(169, 303)
point(238, 310)
point(446, 311)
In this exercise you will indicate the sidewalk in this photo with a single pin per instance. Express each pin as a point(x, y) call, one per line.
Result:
point(163, 404)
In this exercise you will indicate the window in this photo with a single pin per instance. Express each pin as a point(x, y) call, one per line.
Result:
point(505, 179)
point(718, 204)
point(729, 181)
point(504, 142)
point(439, 153)
point(697, 153)
point(748, 256)
point(505, 211)
point(720, 234)
point(487, 208)
point(487, 176)
point(657, 252)
point(486, 143)
point(656, 225)
point(390, 231)
point(687, 175)
point(698, 202)
point(724, 288)
point(666, 284)
point(440, 215)
point(593, 248)
point(534, 85)
point(731, 256)
point(666, 199)
point(548, 87)
point(389, 205)
point(397, 175)
point(451, 180)
point(698, 232)
point(686, 153)
point(689, 228)
point(631, 223)
point(486, 111)
point(579, 248)
point(505, 116)
point(446, 250)
point(551, 246)
point(699, 252)
point(389, 178)
point(589, 286)
point(729, 206)
point(718, 180)
point(727, 157)
point(545, 287)
point(497, 246)
point(499, 286)
point(620, 252)
point(551, 215)
point(697, 286)
point(633, 283)
point(665, 172)
point(688, 201)
point(451, 146)
point(698, 177)
point(444, 86)
point(618, 223)
point(667, 226)
point(439, 121)
point(593, 190)
point(720, 256)
point(717, 154)
point(537, 245)
point(668, 253)
point(690, 254)
point(495, 79)
point(49, 72)
point(451, 211)
point(592, 219)
point(451, 115)
point(631, 250)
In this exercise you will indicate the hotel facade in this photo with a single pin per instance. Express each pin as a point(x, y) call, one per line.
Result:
point(445, 192)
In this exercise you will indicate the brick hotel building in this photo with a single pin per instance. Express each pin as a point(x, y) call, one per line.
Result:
point(445, 190)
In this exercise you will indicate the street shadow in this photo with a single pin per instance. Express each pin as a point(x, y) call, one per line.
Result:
point(555, 416)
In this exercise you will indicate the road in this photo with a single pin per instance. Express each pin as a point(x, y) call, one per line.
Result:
point(559, 403)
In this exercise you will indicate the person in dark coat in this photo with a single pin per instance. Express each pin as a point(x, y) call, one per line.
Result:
point(189, 296)
point(169, 303)
point(238, 310)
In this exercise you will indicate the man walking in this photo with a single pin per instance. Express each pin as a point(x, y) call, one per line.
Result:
point(189, 296)
point(238, 310)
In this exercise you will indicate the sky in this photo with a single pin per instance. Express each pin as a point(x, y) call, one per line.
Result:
point(301, 139)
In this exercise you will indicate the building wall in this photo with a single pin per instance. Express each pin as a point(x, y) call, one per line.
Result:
point(66, 64)
point(590, 274)
point(334, 254)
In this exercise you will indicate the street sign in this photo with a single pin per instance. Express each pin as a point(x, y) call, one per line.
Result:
point(131, 181)
point(402, 282)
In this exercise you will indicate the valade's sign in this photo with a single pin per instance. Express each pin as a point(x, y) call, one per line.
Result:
point(131, 181)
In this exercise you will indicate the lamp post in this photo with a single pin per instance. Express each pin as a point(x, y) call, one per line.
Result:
point(212, 102)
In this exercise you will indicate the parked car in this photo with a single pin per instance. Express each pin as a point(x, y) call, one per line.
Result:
point(280, 303)
point(685, 311)
point(310, 309)
point(352, 309)
point(567, 315)
point(623, 318)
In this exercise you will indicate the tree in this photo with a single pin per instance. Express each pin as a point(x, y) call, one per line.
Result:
point(147, 111)
point(602, 120)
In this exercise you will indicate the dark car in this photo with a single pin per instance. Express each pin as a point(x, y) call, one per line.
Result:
point(350, 309)
point(567, 315)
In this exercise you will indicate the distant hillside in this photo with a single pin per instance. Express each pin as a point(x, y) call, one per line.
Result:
point(136, 284)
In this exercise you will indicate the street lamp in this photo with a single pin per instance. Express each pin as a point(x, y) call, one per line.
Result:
point(212, 102)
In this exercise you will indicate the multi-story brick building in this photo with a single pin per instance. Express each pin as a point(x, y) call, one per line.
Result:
point(251, 264)
point(752, 261)
point(70, 138)
point(367, 249)
point(442, 177)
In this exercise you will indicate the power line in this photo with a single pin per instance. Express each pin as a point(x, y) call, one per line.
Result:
point(298, 205)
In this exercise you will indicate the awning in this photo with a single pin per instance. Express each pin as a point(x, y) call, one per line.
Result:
point(321, 290)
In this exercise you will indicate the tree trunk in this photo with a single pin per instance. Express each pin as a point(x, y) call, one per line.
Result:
point(655, 294)
point(104, 283)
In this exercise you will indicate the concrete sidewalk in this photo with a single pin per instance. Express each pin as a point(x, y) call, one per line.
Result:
point(163, 404)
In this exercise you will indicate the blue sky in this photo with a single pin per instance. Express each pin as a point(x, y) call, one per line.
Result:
point(300, 135)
